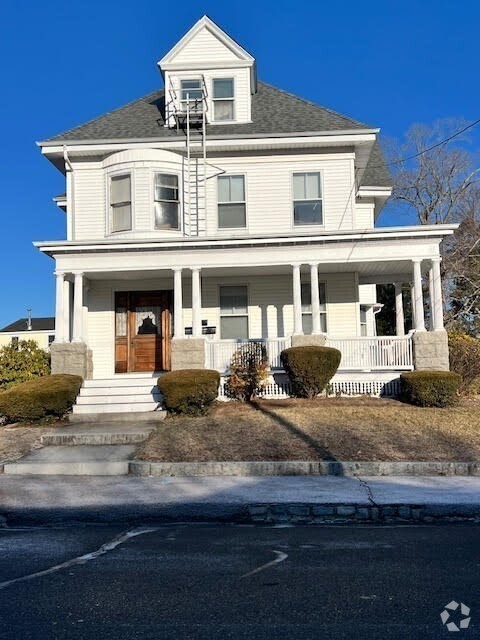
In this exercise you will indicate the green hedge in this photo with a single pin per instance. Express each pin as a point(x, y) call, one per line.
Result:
point(310, 369)
point(430, 388)
point(189, 391)
point(35, 399)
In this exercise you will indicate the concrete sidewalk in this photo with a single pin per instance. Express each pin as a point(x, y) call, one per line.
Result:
point(241, 499)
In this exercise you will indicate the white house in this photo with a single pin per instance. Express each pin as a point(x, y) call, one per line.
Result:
point(220, 209)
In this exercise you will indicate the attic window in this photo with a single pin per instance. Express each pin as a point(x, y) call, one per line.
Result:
point(223, 100)
point(191, 90)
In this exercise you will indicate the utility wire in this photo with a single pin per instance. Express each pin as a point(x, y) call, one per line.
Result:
point(416, 155)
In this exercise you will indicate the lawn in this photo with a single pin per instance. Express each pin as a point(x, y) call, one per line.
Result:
point(322, 429)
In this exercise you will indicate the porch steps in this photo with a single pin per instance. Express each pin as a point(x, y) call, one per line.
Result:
point(124, 394)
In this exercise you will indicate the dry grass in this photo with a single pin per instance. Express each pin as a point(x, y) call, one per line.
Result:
point(321, 429)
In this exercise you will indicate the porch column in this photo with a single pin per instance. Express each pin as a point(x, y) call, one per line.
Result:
point(431, 294)
point(178, 331)
point(59, 306)
point(418, 294)
point(196, 303)
point(399, 317)
point(437, 295)
point(297, 301)
point(66, 310)
point(315, 297)
point(78, 307)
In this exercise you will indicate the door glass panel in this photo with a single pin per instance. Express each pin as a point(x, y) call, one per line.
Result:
point(121, 322)
point(148, 320)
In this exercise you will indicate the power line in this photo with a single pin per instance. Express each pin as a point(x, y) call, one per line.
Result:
point(416, 155)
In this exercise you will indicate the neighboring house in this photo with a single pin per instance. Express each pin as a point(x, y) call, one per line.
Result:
point(221, 209)
point(41, 330)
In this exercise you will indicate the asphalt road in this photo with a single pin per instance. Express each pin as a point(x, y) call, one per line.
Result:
point(222, 582)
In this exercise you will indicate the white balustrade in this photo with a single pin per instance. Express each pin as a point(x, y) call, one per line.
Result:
point(375, 353)
point(219, 352)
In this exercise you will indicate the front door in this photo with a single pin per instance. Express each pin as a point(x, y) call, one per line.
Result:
point(143, 331)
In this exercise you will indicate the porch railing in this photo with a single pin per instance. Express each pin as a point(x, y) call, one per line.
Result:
point(376, 353)
point(219, 352)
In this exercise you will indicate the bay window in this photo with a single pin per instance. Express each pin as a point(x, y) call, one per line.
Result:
point(307, 198)
point(120, 203)
point(166, 201)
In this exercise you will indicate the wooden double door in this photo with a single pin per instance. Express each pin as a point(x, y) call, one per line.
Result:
point(143, 331)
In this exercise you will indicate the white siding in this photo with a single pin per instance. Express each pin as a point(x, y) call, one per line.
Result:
point(269, 190)
point(204, 46)
point(268, 182)
point(270, 308)
point(365, 214)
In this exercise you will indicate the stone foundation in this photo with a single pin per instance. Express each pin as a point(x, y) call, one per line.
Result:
point(188, 353)
point(430, 350)
point(74, 358)
point(316, 340)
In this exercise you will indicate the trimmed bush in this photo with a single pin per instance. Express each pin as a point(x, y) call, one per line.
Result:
point(465, 360)
point(35, 399)
point(310, 369)
point(248, 371)
point(430, 388)
point(21, 362)
point(189, 391)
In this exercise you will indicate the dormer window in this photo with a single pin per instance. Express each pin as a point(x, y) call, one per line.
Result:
point(191, 90)
point(223, 100)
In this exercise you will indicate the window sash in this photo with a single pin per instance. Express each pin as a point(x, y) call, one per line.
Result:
point(191, 89)
point(166, 201)
point(232, 209)
point(233, 303)
point(307, 321)
point(307, 198)
point(223, 99)
point(121, 203)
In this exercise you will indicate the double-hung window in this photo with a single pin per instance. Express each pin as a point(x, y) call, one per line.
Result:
point(233, 312)
point(307, 323)
point(166, 201)
point(231, 202)
point(223, 100)
point(121, 203)
point(307, 198)
point(363, 320)
point(191, 90)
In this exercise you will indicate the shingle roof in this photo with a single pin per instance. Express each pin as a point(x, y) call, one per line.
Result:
point(38, 324)
point(376, 173)
point(273, 111)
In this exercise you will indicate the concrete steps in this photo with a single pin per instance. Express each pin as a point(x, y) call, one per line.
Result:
point(126, 393)
point(104, 434)
point(98, 460)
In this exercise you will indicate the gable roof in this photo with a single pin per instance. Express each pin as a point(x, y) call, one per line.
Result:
point(376, 172)
point(38, 324)
point(206, 23)
point(273, 111)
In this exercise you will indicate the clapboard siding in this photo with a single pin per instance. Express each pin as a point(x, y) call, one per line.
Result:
point(204, 46)
point(89, 208)
point(364, 215)
point(270, 308)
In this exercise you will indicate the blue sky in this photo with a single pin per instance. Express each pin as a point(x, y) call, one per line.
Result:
point(388, 64)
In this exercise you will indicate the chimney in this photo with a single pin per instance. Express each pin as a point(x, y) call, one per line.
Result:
point(29, 319)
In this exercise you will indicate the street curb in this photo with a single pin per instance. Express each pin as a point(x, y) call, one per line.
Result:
point(255, 513)
point(304, 468)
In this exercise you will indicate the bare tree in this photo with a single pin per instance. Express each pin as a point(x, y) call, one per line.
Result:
point(435, 176)
point(435, 184)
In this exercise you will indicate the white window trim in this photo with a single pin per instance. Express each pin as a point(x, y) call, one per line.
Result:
point(245, 185)
point(322, 313)
point(307, 227)
point(233, 99)
point(168, 172)
point(233, 315)
point(116, 174)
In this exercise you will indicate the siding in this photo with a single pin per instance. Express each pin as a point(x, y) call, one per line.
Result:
point(89, 206)
point(364, 215)
point(206, 47)
point(270, 309)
